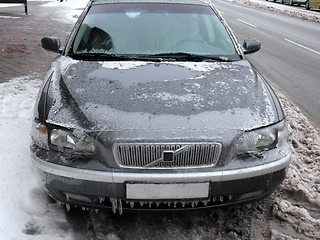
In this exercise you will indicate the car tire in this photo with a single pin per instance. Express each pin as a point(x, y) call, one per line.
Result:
point(307, 5)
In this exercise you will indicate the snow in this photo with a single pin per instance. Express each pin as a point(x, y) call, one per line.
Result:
point(123, 65)
point(25, 209)
point(276, 7)
point(69, 10)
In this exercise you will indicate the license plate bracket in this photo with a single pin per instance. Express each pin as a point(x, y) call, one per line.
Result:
point(167, 191)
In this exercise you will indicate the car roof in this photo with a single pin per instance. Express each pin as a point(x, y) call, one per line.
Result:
point(194, 2)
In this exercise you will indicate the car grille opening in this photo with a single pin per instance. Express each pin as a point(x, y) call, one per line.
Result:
point(184, 155)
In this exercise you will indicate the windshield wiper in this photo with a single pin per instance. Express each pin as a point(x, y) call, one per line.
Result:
point(182, 56)
point(113, 57)
point(99, 56)
point(175, 56)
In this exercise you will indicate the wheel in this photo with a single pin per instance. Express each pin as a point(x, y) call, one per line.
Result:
point(307, 5)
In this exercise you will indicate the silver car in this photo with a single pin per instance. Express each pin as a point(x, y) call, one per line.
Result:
point(152, 105)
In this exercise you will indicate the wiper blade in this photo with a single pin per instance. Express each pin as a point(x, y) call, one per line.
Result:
point(180, 56)
point(99, 56)
point(190, 57)
point(114, 57)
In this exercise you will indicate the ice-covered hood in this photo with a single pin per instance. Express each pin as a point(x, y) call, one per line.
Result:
point(165, 95)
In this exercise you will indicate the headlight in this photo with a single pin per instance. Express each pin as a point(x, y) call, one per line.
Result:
point(256, 141)
point(76, 141)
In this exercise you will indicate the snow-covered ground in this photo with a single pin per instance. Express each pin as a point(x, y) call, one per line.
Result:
point(27, 213)
point(24, 208)
point(276, 7)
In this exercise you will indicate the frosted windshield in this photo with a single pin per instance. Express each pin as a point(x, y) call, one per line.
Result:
point(152, 29)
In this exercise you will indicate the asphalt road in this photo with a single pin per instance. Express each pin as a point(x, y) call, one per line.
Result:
point(290, 53)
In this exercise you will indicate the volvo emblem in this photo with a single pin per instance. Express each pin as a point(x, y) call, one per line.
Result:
point(167, 156)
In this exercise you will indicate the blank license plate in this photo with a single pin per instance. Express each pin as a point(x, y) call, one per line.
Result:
point(155, 191)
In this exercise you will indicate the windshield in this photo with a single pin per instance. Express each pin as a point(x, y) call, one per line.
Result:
point(153, 29)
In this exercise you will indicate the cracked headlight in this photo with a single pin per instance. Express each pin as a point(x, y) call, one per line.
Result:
point(263, 139)
point(76, 141)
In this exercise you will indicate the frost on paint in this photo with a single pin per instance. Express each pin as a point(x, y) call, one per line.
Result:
point(295, 213)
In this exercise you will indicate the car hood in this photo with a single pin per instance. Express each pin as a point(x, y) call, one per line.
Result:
point(158, 95)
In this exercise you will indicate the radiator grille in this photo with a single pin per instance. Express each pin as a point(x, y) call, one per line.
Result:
point(183, 155)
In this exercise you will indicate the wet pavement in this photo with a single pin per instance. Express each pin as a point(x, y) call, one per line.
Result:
point(20, 35)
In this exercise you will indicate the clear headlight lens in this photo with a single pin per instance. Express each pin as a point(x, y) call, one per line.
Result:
point(263, 139)
point(78, 141)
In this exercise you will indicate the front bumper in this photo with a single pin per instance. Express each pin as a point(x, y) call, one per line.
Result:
point(110, 189)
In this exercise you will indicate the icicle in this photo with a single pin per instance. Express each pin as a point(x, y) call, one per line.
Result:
point(150, 204)
point(230, 197)
point(101, 199)
point(120, 206)
point(114, 204)
point(194, 203)
point(131, 204)
point(84, 209)
point(175, 204)
point(157, 203)
point(213, 199)
point(141, 204)
point(221, 198)
point(68, 207)
point(59, 203)
point(183, 204)
point(169, 203)
point(67, 196)
point(205, 203)
point(97, 211)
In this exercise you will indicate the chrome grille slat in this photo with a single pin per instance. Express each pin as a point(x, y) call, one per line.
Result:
point(185, 155)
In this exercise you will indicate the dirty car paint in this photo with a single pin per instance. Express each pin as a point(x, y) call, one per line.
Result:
point(217, 95)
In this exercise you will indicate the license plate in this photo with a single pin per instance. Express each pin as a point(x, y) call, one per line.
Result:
point(153, 191)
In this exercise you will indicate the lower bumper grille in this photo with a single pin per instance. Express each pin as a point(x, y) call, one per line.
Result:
point(184, 155)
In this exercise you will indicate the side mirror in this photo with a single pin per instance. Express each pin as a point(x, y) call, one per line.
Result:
point(51, 44)
point(251, 45)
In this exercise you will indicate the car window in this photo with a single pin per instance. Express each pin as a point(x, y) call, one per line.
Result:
point(152, 29)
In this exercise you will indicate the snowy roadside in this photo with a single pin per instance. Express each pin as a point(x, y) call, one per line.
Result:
point(302, 184)
point(298, 12)
point(25, 210)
